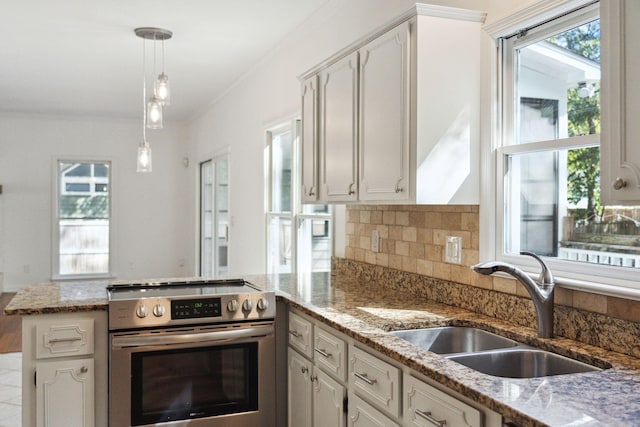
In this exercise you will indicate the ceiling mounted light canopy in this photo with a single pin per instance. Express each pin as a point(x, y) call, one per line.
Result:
point(152, 108)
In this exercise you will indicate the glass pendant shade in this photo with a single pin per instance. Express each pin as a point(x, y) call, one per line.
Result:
point(162, 90)
point(144, 157)
point(154, 113)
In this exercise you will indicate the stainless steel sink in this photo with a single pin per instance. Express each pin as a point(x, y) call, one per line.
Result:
point(521, 363)
point(454, 339)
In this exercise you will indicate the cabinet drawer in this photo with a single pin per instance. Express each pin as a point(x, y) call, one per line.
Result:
point(330, 353)
point(375, 380)
point(300, 335)
point(361, 414)
point(64, 338)
point(426, 406)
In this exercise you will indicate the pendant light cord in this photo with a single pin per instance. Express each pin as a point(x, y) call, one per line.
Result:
point(144, 93)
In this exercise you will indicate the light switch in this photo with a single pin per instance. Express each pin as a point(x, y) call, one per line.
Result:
point(453, 250)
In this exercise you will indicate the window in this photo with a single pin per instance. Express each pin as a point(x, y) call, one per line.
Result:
point(547, 169)
point(298, 236)
point(83, 212)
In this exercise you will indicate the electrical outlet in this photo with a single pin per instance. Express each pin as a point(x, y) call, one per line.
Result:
point(375, 241)
point(453, 250)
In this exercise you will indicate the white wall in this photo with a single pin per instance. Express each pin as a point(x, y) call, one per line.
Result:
point(268, 94)
point(152, 214)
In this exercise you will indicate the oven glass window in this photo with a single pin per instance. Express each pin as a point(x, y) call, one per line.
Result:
point(193, 383)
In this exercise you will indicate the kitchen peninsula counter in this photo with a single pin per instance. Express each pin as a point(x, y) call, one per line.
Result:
point(367, 311)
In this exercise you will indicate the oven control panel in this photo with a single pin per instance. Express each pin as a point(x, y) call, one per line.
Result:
point(196, 308)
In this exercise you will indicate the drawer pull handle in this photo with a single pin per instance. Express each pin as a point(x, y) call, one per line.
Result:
point(295, 333)
point(365, 378)
point(322, 352)
point(427, 416)
point(59, 340)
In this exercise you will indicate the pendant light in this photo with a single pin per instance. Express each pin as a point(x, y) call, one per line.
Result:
point(161, 89)
point(152, 108)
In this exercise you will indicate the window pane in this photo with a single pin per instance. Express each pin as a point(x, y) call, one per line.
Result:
point(83, 219)
point(314, 245)
point(558, 86)
point(281, 171)
point(280, 245)
point(552, 209)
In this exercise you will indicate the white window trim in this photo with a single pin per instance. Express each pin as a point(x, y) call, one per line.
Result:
point(598, 279)
point(55, 221)
point(297, 207)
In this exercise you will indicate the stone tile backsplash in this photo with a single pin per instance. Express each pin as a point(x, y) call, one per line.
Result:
point(412, 250)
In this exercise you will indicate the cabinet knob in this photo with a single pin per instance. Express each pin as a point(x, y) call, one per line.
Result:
point(351, 190)
point(304, 369)
point(398, 188)
point(619, 183)
point(312, 191)
point(84, 370)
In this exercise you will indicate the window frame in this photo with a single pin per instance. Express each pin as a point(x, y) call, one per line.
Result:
point(540, 19)
point(56, 192)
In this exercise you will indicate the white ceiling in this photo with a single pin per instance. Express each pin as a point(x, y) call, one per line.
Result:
point(82, 56)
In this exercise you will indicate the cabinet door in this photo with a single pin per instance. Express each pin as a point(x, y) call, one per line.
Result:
point(309, 146)
point(384, 117)
point(65, 393)
point(328, 401)
point(620, 142)
point(338, 130)
point(299, 386)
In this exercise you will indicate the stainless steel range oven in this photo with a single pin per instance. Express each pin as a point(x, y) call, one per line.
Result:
point(197, 353)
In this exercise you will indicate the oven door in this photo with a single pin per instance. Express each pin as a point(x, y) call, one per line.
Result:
point(214, 376)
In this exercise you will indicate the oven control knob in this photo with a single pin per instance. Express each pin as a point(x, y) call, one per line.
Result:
point(263, 304)
point(141, 311)
point(247, 305)
point(158, 310)
point(233, 306)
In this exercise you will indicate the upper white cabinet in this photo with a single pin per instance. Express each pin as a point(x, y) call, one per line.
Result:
point(620, 144)
point(384, 116)
point(338, 135)
point(398, 116)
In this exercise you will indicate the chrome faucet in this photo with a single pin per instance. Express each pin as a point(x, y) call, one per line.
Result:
point(541, 291)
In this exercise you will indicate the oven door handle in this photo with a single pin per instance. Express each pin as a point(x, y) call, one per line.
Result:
point(199, 337)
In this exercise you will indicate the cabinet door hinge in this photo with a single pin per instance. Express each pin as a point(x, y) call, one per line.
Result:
point(35, 378)
point(345, 405)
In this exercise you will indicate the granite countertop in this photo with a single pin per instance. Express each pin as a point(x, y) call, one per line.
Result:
point(367, 312)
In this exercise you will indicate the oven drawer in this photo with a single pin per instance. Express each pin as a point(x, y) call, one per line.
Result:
point(64, 338)
point(330, 353)
point(375, 380)
point(301, 335)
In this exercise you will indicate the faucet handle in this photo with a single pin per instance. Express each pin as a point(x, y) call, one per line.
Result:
point(546, 278)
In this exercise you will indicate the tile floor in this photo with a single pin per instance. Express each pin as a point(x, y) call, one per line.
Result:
point(10, 389)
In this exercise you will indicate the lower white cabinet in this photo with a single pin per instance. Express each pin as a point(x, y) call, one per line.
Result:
point(361, 414)
point(299, 390)
point(426, 406)
point(65, 370)
point(315, 398)
point(328, 401)
point(376, 392)
point(375, 380)
point(65, 393)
